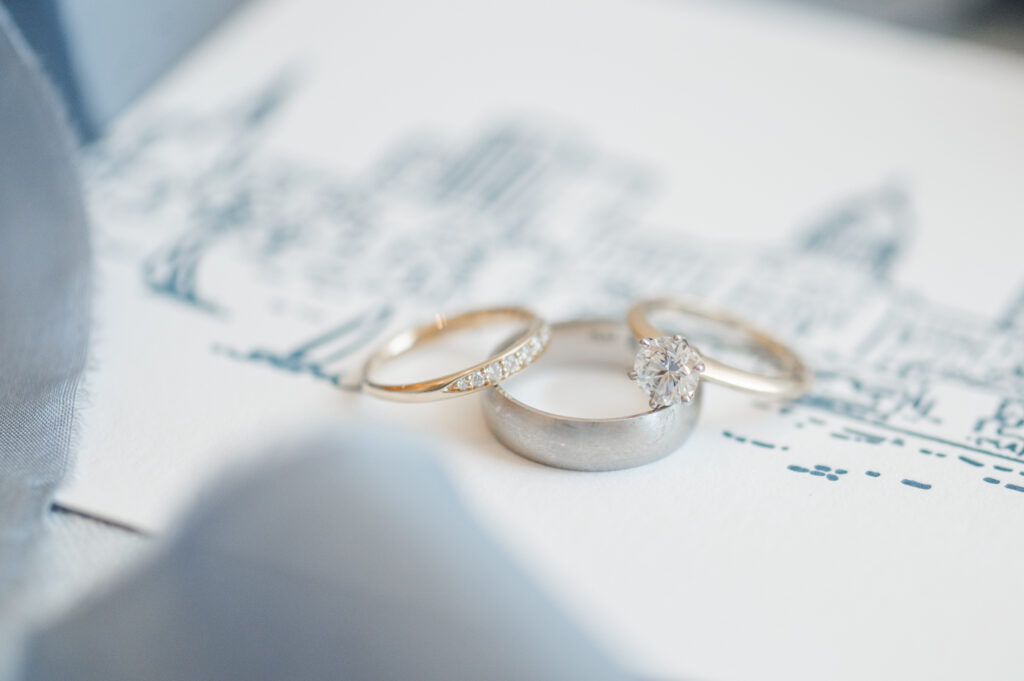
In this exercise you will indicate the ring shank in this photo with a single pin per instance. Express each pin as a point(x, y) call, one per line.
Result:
point(793, 380)
point(435, 388)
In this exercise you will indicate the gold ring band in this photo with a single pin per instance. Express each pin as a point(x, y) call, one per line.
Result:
point(518, 353)
point(793, 380)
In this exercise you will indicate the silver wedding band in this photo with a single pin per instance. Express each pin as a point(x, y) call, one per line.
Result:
point(589, 444)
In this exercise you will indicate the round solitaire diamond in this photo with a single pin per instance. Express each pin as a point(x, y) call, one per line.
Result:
point(667, 369)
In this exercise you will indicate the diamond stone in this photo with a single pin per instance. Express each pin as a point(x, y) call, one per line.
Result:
point(667, 369)
point(493, 372)
point(477, 380)
point(461, 384)
point(511, 364)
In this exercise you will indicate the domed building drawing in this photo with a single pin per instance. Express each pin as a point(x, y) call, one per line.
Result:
point(520, 210)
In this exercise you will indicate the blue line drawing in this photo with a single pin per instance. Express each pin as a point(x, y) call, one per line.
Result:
point(1003, 431)
point(916, 484)
point(868, 233)
point(216, 222)
point(309, 357)
point(819, 471)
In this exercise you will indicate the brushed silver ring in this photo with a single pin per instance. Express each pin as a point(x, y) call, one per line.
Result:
point(583, 444)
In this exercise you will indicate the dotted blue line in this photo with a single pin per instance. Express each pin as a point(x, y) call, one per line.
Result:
point(915, 483)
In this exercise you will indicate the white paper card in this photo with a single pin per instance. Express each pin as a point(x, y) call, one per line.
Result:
point(317, 175)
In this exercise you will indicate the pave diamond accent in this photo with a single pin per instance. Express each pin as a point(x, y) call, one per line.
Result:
point(493, 372)
point(511, 364)
point(667, 369)
point(500, 369)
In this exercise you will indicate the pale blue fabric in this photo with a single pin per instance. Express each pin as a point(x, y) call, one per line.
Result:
point(44, 299)
point(354, 560)
point(102, 54)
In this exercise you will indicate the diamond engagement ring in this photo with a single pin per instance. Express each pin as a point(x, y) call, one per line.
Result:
point(513, 358)
point(668, 369)
point(587, 444)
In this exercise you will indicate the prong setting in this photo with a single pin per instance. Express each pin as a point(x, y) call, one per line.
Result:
point(668, 370)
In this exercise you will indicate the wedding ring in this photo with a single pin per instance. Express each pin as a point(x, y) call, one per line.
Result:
point(514, 357)
point(588, 444)
point(668, 368)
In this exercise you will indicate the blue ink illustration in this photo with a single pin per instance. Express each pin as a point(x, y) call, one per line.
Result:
point(819, 471)
point(915, 484)
point(534, 212)
point(1004, 431)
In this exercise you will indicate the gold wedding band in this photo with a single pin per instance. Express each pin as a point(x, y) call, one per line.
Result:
point(793, 380)
point(518, 353)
